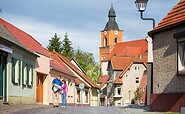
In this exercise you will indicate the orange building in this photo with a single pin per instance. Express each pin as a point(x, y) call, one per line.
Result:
point(110, 36)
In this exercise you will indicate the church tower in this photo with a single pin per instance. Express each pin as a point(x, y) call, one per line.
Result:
point(110, 35)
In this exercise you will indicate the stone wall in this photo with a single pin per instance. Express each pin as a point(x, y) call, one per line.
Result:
point(165, 79)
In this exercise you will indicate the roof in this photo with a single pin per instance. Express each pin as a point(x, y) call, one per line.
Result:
point(57, 64)
point(130, 48)
point(6, 35)
point(24, 38)
point(111, 24)
point(174, 17)
point(75, 69)
point(127, 64)
point(119, 63)
point(103, 80)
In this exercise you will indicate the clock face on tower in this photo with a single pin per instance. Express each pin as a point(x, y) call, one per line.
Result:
point(116, 32)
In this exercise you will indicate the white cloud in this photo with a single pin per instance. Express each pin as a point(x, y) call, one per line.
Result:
point(42, 32)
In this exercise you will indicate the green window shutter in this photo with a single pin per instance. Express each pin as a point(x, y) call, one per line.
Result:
point(32, 75)
point(23, 65)
point(19, 79)
point(27, 70)
point(13, 70)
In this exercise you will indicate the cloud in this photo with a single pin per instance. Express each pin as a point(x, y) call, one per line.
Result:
point(42, 32)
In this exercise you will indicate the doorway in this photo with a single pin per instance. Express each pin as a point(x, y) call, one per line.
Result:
point(40, 81)
point(3, 78)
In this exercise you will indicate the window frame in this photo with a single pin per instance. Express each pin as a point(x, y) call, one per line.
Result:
point(180, 38)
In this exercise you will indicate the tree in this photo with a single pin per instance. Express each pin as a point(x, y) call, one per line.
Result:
point(67, 49)
point(138, 94)
point(88, 64)
point(55, 44)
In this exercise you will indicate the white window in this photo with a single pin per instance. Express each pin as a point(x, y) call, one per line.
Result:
point(24, 79)
point(137, 80)
point(119, 91)
point(30, 75)
point(16, 71)
point(181, 58)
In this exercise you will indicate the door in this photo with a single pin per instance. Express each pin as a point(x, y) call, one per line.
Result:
point(40, 80)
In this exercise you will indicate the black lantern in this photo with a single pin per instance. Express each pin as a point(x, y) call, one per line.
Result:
point(141, 5)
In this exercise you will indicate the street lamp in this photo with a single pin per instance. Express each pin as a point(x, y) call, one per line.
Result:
point(141, 5)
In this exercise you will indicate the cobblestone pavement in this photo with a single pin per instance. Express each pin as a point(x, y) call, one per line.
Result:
point(42, 109)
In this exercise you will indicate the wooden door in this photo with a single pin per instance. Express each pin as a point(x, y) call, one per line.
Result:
point(40, 78)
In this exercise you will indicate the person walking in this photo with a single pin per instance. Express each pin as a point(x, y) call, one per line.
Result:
point(56, 85)
point(63, 93)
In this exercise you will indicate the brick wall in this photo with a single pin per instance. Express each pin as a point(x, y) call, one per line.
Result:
point(167, 102)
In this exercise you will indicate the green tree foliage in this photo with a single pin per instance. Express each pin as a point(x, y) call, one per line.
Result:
point(55, 44)
point(67, 49)
point(88, 64)
point(138, 94)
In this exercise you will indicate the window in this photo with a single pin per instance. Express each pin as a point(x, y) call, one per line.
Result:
point(136, 67)
point(105, 41)
point(86, 96)
point(16, 71)
point(27, 74)
point(115, 40)
point(181, 57)
point(119, 91)
point(143, 89)
point(180, 38)
point(137, 80)
point(30, 78)
point(78, 95)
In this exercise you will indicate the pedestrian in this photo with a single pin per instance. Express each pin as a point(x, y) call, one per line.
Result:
point(63, 92)
point(56, 85)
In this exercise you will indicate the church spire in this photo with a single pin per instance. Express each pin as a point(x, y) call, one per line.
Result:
point(111, 24)
point(112, 12)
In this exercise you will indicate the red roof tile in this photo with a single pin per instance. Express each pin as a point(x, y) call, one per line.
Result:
point(57, 64)
point(24, 38)
point(176, 15)
point(130, 48)
point(119, 63)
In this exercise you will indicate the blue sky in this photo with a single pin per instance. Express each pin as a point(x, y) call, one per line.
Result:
point(81, 19)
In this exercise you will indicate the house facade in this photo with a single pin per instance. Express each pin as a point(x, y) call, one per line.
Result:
point(17, 70)
point(125, 74)
point(168, 66)
point(58, 68)
point(126, 66)
point(41, 64)
point(88, 96)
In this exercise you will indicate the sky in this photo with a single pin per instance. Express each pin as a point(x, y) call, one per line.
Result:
point(82, 20)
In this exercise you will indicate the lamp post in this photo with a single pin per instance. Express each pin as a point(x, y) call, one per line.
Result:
point(141, 5)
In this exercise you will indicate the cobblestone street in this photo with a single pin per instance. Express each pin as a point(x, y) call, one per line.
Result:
point(42, 109)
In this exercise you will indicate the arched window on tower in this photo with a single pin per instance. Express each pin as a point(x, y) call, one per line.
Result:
point(105, 41)
point(115, 40)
